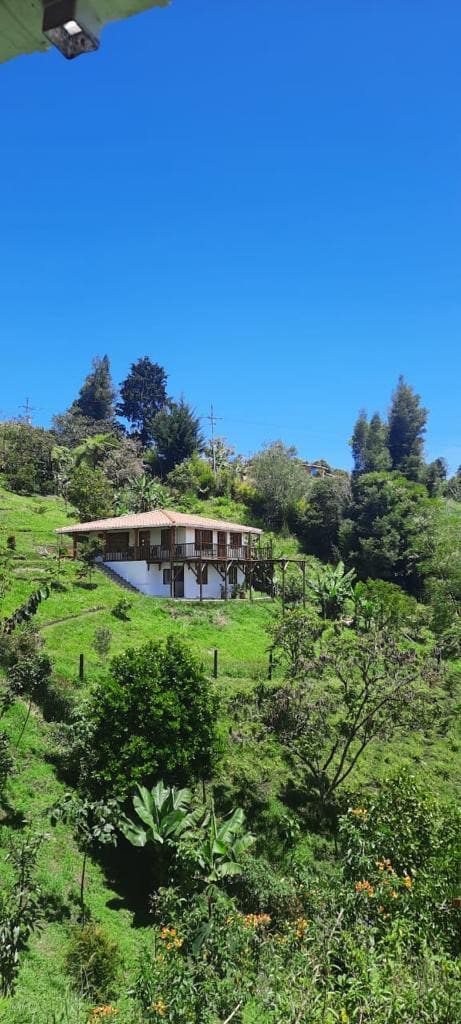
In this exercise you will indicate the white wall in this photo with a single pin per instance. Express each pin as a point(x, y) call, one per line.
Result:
point(150, 580)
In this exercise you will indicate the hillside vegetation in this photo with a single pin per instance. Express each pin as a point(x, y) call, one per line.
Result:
point(277, 844)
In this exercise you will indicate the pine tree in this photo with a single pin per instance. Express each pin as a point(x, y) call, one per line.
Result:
point(407, 425)
point(97, 395)
point(143, 395)
point(358, 442)
point(176, 433)
point(376, 454)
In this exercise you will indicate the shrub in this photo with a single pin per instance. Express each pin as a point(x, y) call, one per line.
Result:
point(93, 963)
point(6, 761)
point(122, 608)
point(154, 715)
point(11, 542)
point(102, 641)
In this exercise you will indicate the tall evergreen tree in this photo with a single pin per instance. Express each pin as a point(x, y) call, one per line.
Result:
point(176, 433)
point(143, 395)
point(407, 426)
point(97, 395)
point(376, 455)
point(358, 442)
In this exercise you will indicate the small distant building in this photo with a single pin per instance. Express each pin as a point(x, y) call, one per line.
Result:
point(174, 554)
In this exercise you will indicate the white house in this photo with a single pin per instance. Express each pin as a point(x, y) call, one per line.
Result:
point(175, 554)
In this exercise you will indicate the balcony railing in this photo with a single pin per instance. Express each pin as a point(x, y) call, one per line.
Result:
point(189, 552)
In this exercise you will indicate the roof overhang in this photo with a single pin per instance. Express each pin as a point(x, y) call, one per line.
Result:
point(21, 21)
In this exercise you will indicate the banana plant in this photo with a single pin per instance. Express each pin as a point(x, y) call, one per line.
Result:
point(163, 813)
point(332, 585)
point(221, 850)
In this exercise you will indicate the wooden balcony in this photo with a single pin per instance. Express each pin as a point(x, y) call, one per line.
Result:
point(190, 553)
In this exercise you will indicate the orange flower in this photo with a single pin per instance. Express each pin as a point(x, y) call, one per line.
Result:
point(408, 881)
point(365, 887)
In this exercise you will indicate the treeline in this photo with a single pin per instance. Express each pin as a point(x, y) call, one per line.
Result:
point(138, 449)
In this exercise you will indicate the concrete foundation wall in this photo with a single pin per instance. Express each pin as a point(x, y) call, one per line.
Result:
point(150, 580)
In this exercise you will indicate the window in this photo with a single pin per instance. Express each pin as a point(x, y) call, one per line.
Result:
point(232, 576)
point(236, 540)
point(167, 576)
point(204, 575)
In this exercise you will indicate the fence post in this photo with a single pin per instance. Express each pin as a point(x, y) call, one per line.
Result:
point(81, 668)
point(271, 664)
point(215, 663)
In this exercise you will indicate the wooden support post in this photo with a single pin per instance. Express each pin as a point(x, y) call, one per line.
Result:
point(81, 668)
point(271, 664)
point(283, 586)
point(172, 540)
point(304, 584)
point(200, 569)
point(225, 580)
point(74, 546)
point(215, 663)
point(250, 578)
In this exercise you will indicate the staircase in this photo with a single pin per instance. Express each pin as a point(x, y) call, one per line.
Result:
point(111, 575)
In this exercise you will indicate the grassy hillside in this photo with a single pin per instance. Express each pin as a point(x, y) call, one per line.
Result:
point(252, 769)
point(70, 617)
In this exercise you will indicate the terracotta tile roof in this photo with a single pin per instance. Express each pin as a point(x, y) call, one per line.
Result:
point(158, 517)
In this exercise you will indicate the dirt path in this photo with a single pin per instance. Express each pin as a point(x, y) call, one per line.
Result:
point(77, 615)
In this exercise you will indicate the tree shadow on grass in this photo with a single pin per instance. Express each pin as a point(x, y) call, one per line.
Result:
point(130, 873)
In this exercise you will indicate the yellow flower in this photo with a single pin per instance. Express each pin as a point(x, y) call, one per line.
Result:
point(408, 881)
point(159, 1007)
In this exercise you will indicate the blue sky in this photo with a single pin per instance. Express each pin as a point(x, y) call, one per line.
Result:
point(262, 195)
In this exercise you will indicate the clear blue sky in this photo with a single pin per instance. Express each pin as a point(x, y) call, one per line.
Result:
point(262, 195)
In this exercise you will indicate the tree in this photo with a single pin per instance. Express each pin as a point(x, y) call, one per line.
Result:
point(97, 395)
point(90, 492)
point(154, 715)
point(332, 587)
point(176, 433)
point(294, 636)
point(436, 473)
point(93, 823)
point(280, 480)
point(143, 395)
point(317, 518)
point(26, 458)
point(407, 426)
point(143, 494)
point(358, 442)
point(358, 689)
point(387, 529)
point(95, 449)
point(369, 445)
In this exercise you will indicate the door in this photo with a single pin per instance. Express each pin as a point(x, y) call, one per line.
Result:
point(165, 540)
point(222, 544)
point(204, 542)
point(117, 544)
point(144, 543)
point(179, 582)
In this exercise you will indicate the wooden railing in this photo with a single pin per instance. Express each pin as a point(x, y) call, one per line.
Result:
point(189, 552)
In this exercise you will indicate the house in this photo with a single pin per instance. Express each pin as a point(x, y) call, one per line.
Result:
point(175, 554)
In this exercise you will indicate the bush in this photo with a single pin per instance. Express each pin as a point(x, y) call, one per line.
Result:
point(154, 715)
point(6, 761)
point(93, 963)
point(102, 641)
point(122, 608)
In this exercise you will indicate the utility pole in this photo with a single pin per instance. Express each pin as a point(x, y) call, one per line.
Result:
point(213, 420)
point(28, 409)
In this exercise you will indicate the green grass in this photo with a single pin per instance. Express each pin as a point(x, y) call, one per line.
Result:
point(252, 767)
point(235, 628)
